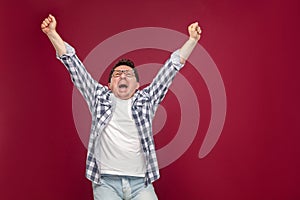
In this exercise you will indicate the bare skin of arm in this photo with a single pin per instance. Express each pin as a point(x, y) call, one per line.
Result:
point(48, 26)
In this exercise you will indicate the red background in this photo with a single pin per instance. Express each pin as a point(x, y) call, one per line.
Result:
point(255, 45)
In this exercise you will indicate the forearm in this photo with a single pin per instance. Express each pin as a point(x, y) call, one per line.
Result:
point(186, 49)
point(57, 43)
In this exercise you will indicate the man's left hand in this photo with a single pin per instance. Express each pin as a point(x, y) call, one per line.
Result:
point(194, 31)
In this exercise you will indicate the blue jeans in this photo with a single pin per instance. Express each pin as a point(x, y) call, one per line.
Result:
point(115, 187)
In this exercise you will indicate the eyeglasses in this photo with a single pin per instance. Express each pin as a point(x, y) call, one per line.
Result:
point(127, 73)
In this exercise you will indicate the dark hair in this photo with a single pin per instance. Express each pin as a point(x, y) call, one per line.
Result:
point(126, 62)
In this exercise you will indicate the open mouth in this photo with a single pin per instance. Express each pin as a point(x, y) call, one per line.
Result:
point(123, 86)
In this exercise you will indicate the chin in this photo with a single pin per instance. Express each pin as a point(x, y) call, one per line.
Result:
point(122, 96)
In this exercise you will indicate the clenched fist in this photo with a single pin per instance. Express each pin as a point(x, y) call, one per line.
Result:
point(194, 31)
point(49, 24)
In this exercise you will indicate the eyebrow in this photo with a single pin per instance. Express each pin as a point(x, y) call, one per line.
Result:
point(123, 70)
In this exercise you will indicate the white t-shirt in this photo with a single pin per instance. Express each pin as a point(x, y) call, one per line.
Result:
point(120, 146)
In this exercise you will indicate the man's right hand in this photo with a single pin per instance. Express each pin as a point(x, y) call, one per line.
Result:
point(48, 25)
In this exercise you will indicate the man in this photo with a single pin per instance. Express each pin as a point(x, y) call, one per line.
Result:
point(121, 158)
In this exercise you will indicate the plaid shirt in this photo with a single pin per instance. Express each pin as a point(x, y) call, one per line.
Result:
point(101, 106)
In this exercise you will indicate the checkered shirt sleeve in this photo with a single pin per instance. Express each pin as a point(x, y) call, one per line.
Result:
point(162, 81)
point(82, 80)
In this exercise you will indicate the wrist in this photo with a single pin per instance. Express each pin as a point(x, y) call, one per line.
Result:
point(52, 33)
point(195, 39)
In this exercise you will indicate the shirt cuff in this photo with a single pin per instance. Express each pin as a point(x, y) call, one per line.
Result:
point(175, 59)
point(70, 52)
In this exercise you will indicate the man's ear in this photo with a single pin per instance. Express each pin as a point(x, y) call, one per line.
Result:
point(109, 85)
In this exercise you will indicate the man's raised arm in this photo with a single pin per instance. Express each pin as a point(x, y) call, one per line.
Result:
point(48, 26)
point(195, 34)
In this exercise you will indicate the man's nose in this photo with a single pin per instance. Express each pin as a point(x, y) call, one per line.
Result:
point(123, 75)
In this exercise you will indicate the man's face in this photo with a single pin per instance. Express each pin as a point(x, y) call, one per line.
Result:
point(123, 82)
